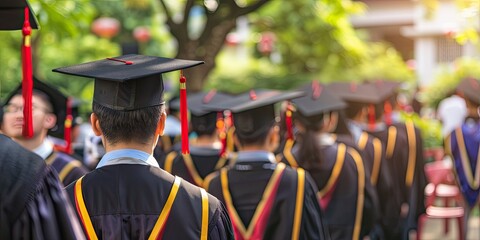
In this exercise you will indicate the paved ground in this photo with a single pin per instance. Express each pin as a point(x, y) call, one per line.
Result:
point(434, 229)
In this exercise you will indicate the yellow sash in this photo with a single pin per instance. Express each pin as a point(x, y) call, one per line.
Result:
point(247, 232)
point(161, 221)
point(287, 153)
point(335, 171)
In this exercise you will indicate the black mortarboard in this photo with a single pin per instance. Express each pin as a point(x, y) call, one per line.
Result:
point(56, 99)
point(317, 100)
point(202, 119)
point(254, 110)
point(198, 103)
point(470, 89)
point(368, 93)
point(12, 15)
point(128, 82)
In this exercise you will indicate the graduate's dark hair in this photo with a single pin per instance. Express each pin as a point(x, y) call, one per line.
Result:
point(309, 153)
point(342, 127)
point(128, 126)
point(204, 125)
point(353, 109)
point(257, 138)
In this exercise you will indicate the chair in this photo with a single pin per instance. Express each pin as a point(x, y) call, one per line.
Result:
point(439, 175)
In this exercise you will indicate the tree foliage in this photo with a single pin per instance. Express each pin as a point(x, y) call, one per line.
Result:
point(315, 41)
point(61, 22)
point(219, 19)
point(315, 36)
point(447, 79)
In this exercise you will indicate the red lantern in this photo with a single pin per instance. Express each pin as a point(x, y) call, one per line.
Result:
point(141, 34)
point(266, 43)
point(106, 27)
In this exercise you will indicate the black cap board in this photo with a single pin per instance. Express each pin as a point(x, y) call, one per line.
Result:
point(202, 119)
point(470, 88)
point(368, 93)
point(198, 102)
point(128, 82)
point(12, 15)
point(254, 110)
point(317, 100)
point(56, 99)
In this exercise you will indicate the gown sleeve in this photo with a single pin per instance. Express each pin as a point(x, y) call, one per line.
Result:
point(47, 213)
point(313, 223)
point(220, 226)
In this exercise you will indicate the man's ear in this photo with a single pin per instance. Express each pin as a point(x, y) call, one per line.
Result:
point(50, 121)
point(95, 124)
point(274, 138)
point(161, 124)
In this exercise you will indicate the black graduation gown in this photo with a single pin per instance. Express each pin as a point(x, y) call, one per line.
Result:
point(247, 182)
point(124, 201)
point(195, 166)
point(378, 174)
point(404, 155)
point(345, 194)
point(33, 204)
point(166, 144)
point(68, 168)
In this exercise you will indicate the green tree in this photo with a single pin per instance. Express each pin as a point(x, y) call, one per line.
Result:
point(316, 36)
point(64, 38)
point(219, 20)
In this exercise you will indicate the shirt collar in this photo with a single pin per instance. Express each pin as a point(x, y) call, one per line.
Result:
point(355, 128)
point(127, 156)
point(325, 139)
point(255, 156)
point(45, 149)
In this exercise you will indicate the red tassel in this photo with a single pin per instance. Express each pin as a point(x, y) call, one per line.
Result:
point(68, 127)
point(27, 81)
point(371, 116)
point(183, 114)
point(316, 90)
point(288, 121)
point(388, 112)
point(222, 133)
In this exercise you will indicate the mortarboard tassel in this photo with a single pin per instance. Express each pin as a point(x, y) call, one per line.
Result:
point(230, 130)
point(222, 133)
point(183, 113)
point(68, 127)
point(27, 81)
point(388, 112)
point(371, 117)
point(288, 121)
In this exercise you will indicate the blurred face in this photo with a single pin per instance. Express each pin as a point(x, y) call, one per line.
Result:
point(42, 117)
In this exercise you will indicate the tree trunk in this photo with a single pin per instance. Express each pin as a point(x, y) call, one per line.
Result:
point(204, 51)
point(218, 24)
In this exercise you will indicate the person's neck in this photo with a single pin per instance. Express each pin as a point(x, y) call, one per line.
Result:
point(30, 143)
point(206, 141)
point(358, 118)
point(254, 148)
point(148, 148)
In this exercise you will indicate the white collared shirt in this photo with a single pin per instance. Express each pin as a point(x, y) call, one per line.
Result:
point(45, 149)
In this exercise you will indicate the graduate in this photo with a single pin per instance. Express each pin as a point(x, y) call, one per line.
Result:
point(370, 108)
point(33, 204)
point(265, 199)
point(206, 154)
point(370, 147)
point(49, 113)
point(344, 191)
point(128, 196)
point(463, 146)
